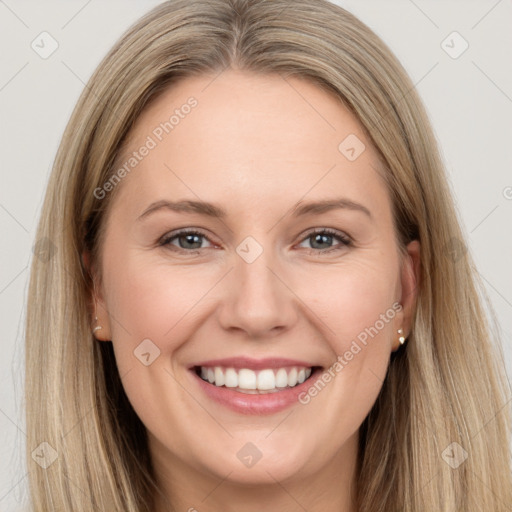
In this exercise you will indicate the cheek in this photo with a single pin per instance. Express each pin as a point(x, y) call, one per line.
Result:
point(149, 300)
point(357, 307)
point(353, 301)
point(152, 301)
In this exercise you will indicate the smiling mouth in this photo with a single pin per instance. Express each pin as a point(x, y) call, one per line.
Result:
point(245, 380)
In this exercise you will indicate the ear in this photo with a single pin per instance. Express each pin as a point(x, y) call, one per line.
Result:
point(98, 305)
point(409, 280)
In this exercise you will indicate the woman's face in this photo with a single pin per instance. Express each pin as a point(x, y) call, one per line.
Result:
point(292, 269)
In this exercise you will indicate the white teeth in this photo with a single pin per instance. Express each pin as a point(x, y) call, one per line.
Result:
point(292, 377)
point(266, 380)
point(231, 378)
point(219, 377)
point(281, 378)
point(246, 380)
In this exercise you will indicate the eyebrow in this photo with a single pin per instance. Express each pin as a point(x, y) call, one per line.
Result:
point(319, 207)
point(185, 206)
point(215, 211)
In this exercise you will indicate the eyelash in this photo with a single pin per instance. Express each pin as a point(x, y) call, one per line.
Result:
point(166, 240)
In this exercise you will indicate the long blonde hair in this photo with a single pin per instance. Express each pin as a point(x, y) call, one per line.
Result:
point(446, 385)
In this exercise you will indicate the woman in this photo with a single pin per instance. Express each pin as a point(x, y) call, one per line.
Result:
point(257, 369)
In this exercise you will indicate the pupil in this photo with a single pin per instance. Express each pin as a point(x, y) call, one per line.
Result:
point(190, 239)
point(320, 237)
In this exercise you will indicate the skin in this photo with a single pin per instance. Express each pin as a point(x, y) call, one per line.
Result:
point(255, 145)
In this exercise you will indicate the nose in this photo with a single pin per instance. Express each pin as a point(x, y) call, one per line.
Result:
point(257, 298)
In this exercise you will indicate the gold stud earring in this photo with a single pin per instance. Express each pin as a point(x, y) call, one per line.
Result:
point(401, 338)
point(98, 327)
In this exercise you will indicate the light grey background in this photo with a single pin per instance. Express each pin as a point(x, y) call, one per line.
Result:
point(469, 100)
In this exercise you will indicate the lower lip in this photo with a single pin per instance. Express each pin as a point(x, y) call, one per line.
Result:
point(267, 403)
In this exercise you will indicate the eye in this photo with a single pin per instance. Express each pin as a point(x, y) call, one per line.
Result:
point(188, 240)
point(325, 236)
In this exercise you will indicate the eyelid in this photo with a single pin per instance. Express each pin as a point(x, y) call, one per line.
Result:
point(345, 239)
point(330, 231)
point(167, 237)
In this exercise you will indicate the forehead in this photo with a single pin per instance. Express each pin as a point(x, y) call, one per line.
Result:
point(256, 135)
point(255, 107)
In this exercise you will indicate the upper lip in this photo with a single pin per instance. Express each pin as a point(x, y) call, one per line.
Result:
point(253, 364)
